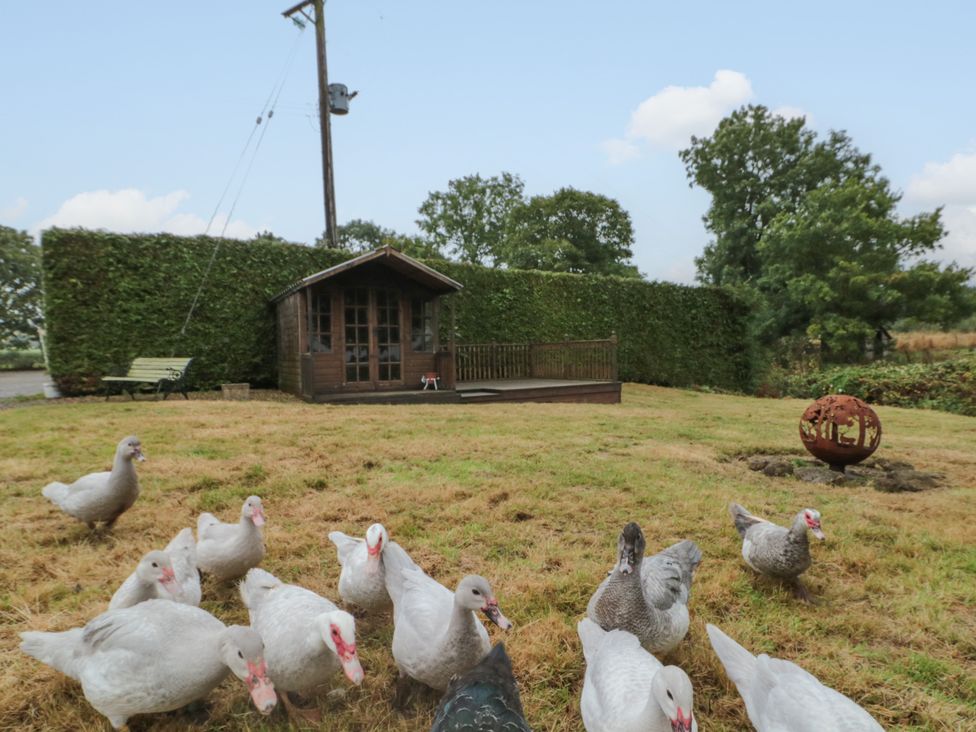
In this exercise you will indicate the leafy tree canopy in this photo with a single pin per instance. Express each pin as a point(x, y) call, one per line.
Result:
point(807, 230)
point(358, 236)
point(570, 231)
point(20, 288)
point(469, 219)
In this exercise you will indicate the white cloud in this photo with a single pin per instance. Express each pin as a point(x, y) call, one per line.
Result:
point(13, 211)
point(674, 114)
point(959, 244)
point(620, 151)
point(953, 182)
point(130, 210)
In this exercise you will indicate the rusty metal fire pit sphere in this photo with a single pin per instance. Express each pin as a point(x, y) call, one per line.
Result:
point(841, 430)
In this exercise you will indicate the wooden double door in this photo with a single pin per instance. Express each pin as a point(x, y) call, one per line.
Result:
point(372, 321)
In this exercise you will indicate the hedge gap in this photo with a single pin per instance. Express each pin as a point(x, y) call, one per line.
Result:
point(112, 297)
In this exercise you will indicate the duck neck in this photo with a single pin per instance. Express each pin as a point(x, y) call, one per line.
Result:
point(462, 630)
point(798, 531)
point(122, 468)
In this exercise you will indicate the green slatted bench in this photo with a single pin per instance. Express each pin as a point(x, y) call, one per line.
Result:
point(166, 373)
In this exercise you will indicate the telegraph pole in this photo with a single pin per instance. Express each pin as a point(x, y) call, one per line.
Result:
point(328, 184)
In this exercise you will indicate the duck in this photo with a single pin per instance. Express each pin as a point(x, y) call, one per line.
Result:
point(485, 699)
point(153, 578)
point(782, 697)
point(626, 689)
point(362, 579)
point(182, 551)
point(647, 596)
point(775, 550)
point(227, 551)
point(436, 634)
point(154, 657)
point(307, 639)
point(104, 496)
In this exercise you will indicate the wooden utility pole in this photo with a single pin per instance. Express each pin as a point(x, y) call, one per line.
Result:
point(328, 184)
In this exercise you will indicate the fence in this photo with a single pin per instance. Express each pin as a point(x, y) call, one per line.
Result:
point(562, 360)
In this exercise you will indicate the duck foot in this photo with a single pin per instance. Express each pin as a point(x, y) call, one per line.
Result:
point(299, 712)
point(404, 687)
point(801, 593)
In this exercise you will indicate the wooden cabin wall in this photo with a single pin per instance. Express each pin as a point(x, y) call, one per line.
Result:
point(290, 312)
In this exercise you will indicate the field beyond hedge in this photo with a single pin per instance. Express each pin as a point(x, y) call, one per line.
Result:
point(532, 496)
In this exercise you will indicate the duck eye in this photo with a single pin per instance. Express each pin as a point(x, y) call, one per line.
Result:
point(669, 695)
point(155, 565)
point(476, 592)
point(241, 656)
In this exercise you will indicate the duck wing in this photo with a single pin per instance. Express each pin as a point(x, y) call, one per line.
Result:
point(345, 545)
point(484, 698)
point(666, 576)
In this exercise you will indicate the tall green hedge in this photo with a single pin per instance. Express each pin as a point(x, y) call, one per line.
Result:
point(112, 297)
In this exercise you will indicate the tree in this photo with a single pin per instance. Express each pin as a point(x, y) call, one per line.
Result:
point(20, 288)
point(469, 219)
point(359, 235)
point(806, 230)
point(570, 231)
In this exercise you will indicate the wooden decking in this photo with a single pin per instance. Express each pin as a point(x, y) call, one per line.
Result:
point(484, 391)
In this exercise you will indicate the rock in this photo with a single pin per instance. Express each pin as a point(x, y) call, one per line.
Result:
point(898, 481)
point(778, 467)
point(757, 462)
point(823, 475)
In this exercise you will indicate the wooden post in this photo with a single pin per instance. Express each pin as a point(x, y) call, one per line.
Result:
point(325, 126)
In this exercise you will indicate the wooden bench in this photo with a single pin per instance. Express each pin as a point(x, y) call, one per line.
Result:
point(166, 373)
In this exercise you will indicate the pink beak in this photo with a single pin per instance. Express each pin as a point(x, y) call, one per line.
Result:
point(168, 580)
point(258, 517)
point(682, 723)
point(352, 668)
point(374, 551)
point(495, 615)
point(138, 454)
point(262, 690)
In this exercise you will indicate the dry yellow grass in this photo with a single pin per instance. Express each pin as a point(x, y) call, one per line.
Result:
point(935, 341)
point(532, 496)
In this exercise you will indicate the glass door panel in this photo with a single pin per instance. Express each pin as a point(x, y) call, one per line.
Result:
point(357, 334)
point(388, 335)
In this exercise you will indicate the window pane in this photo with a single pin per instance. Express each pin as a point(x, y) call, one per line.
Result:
point(394, 372)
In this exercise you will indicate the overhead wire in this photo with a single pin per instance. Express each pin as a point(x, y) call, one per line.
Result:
point(267, 108)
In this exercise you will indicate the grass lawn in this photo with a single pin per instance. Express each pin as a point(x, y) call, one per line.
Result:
point(532, 496)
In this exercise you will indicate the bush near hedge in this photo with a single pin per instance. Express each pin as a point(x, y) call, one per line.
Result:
point(947, 385)
point(112, 297)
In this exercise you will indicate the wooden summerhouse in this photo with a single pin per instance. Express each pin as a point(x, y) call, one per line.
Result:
point(370, 324)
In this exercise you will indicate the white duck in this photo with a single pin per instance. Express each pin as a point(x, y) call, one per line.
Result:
point(101, 496)
point(228, 550)
point(165, 575)
point(182, 551)
point(435, 631)
point(154, 657)
point(782, 697)
point(362, 581)
point(153, 579)
point(626, 689)
point(306, 637)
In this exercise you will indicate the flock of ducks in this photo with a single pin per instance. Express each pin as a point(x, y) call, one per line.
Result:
point(156, 650)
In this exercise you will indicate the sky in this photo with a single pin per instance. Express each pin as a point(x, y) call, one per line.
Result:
point(133, 116)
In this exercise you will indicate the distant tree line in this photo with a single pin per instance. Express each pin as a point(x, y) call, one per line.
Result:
point(489, 221)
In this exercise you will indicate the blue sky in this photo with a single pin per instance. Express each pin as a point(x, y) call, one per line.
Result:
point(131, 116)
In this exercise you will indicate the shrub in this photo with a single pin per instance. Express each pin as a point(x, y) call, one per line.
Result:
point(21, 360)
point(947, 385)
point(112, 297)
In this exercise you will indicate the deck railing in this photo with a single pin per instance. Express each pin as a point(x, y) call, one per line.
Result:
point(560, 360)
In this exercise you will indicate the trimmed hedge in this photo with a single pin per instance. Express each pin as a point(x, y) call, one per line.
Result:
point(949, 386)
point(112, 297)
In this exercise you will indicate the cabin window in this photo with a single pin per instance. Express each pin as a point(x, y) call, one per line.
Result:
point(422, 325)
point(320, 322)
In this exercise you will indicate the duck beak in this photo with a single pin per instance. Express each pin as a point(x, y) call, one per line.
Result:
point(258, 517)
point(352, 668)
point(138, 454)
point(495, 615)
point(683, 723)
point(624, 565)
point(168, 580)
point(262, 690)
point(374, 551)
point(818, 532)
